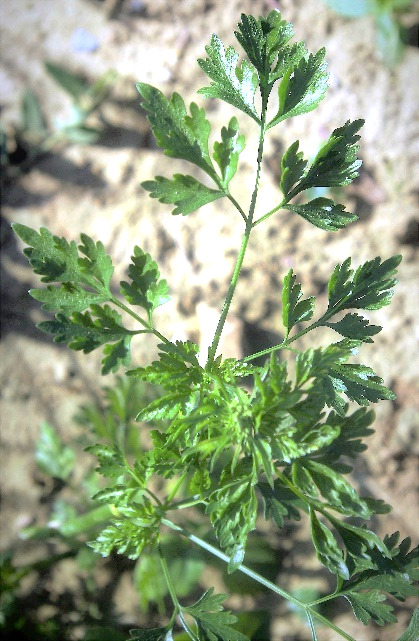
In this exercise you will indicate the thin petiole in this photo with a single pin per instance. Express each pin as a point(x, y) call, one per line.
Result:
point(269, 213)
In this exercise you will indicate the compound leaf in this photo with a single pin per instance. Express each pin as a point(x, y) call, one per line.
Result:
point(294, 310)
point(369, 287)
point(145, 289)
point(324, 213)
point(212, 620)
point(336, 162)
point(187, 193)
point(280, 503)
point(89, 330)
point(179, 134)
point(235, 84)
point(226, 152)
point(68, 297)
point(302, 87)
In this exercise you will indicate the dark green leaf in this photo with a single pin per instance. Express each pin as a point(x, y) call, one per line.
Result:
point(324, 213)
point(172, 369)
point(187, 193)
point(212, 620)
point(336, 162)
point(125, 537)
point(235, 84)
point(263, 40)
point(358, 382)
point(280, 503)
point(327, 548)
point(89, 330)
point(145, 290)
point(302, 87)
point(369, 605)
point(369, 287)
point(57, 260)
point(293, 310)
point(336, 490)
point(52, 456)
point(69, 297)
point(179, 134)
point(226, 152)
point(356, 327)
point(292, 168)
point(233, 511)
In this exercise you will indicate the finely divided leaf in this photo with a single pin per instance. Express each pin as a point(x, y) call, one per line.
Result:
point(145, 290)
point(302, 87)
point(293, 310)
point(89, 330)
point(369, 287)
point(292, 168)
point(355, 327)
point(187, 193)
point(226, 152)
point(179, 134)
point(412, 632)
point(280, 503)
point(52, 456)
point(57, 260)
point(69, 297)
point(324, 213)
point(235, 84)
point(212, 620)
point(358, 382)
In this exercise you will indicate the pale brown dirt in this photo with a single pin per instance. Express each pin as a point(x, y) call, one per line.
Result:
point(96, 190)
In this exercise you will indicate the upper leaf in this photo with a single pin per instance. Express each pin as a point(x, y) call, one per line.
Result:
point(187, 193)
point(369, 287)
point(226, 152)
point(214, 622)
point(293, 310)
point(145, 290)
point(263, 39)
point(302, 87)
point(324, 213)
point(179, 134)
point(336, 162)
point(235, 84)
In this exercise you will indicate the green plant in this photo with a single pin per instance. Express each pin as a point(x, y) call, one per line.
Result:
point(34, 137)
point(217, 445)
point(390, 35)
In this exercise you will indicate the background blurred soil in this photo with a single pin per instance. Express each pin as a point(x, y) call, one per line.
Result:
point(96, 189)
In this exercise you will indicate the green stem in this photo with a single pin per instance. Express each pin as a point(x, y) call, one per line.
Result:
point(272, 211)
point(257, 577)
point(245, 241)
point(173, 596)
point(285, 343)
point(144, 323)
